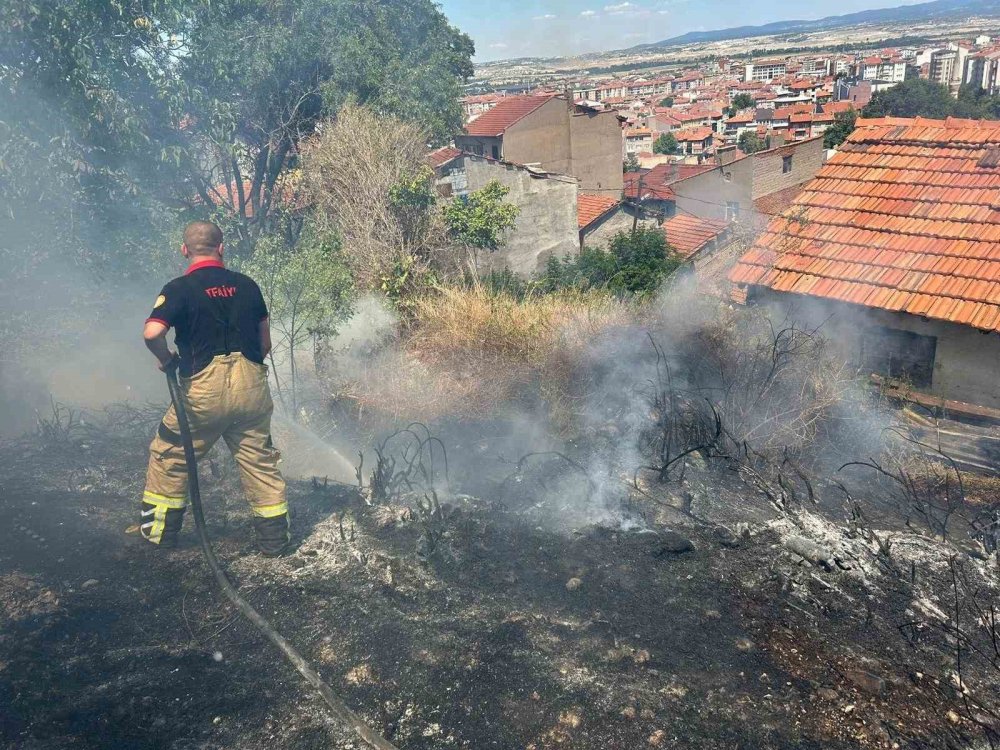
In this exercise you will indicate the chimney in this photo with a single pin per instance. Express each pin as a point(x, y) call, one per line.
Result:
point(725, 155)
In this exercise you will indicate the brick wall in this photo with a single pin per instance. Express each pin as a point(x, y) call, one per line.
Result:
point(768, 174)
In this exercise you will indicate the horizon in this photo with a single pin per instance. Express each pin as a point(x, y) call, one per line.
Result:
point(566, 28)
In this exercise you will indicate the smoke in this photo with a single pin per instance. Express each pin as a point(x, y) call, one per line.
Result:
point(674, 388)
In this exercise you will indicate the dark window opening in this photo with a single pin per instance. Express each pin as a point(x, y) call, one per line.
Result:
point(900, 355)
point(477, 149)
point(786, 164)
point(496, 153)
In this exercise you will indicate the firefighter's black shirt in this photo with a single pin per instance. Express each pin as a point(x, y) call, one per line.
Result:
point(213, 311)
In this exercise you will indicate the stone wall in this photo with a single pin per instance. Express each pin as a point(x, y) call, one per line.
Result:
point(546, 224)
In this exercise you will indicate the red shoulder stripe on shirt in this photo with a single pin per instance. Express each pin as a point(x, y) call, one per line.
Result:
point(158, 320)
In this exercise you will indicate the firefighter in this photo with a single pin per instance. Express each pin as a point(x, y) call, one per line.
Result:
point(222, 335)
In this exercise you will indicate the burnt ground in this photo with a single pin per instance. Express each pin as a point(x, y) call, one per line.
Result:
point(479, 629)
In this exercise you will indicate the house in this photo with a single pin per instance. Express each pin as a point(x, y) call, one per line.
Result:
point(473, 106)
point(600, 218)
point(982, 71)
point(638, 139)
point(727, 190)
point(556, 135)
point(695, 141)
point(652, 188)
point(690, 236)
point(882, 68)
point(896, 246)
point(449, 171)
point(765, 70)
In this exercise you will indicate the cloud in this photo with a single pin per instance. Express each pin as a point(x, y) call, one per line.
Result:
point(620, 8)
point(498, 45)
point(546, 17)
point(589, 13)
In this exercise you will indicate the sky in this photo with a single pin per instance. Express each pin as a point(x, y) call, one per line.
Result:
point(550, 28)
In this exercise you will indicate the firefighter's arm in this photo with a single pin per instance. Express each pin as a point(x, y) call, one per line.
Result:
point(265, 337)
point(155, 335)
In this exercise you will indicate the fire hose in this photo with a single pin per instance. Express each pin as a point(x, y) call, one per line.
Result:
point(337, 706)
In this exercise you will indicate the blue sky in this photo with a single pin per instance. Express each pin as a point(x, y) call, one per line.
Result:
point(545, 28)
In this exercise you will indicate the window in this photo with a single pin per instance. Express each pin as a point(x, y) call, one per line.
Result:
point(496, 153)
point(786, 164)
point(477, 149)
point(732, 210)
point(901, 355)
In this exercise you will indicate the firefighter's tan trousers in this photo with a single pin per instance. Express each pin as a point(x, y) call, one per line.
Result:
point(230, 399)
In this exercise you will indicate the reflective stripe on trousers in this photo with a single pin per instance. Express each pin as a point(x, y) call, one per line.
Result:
point(229, 399)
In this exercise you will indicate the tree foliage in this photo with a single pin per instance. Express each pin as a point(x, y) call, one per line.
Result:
point(201, 106)
point(667, 101)
point(843, 125)
point(665, 144)
point(633, 263)
point(308, 290)
point(919, 97)
point(740, 102)
point(750, 143)
point(631, 164)
point(481, 219)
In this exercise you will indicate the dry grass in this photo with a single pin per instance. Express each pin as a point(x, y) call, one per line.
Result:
point(469, 351)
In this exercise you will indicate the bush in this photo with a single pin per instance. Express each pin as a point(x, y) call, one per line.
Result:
point(469, 350)
point(634, 263)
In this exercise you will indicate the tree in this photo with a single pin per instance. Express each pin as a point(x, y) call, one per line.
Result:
point(667, 101)
point(750, 143)
point(916, 97)
point(740, 102)
point(308, 291)
point(631, 164)
point(665, 144)
point(843, 125)
point(202, 106)
point(364, 180)
point(481, 219)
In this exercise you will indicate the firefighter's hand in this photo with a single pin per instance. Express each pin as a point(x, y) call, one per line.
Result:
point(171, 365)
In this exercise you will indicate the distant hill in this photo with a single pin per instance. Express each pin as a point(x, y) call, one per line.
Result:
point(922, 12)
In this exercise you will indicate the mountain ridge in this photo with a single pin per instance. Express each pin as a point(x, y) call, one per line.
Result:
point(919, 12)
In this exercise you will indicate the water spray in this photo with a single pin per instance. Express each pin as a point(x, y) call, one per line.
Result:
point(340, 709)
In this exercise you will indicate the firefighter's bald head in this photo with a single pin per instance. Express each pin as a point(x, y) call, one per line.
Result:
point(203, 238)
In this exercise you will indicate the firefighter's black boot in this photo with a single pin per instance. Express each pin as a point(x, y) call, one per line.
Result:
point(159, 524)
point(273, 537)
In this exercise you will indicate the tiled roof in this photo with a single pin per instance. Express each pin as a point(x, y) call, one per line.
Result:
point(442, 156)
point(905, 217)
point(590, 208)
point(657, 181)
point(510, 110)
point(693, 134)
point(776, 202)
point(832, 108)
point(689, 234)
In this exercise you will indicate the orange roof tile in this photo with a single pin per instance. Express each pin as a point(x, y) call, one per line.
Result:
point(509, 111)
point(905, 217)
point(694, 134)
point(590, 208)
point(689, 234)
point(442, 156)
